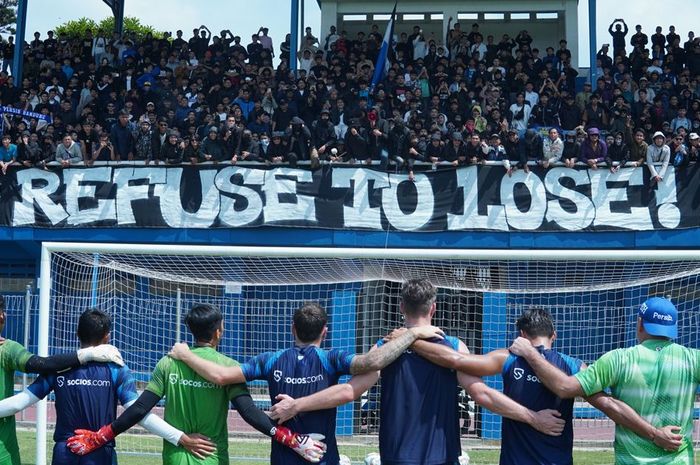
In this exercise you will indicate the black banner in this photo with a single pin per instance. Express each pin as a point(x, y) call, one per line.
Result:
point(350, 197)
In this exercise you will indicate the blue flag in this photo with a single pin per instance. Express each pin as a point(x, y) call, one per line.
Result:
point(381, 68)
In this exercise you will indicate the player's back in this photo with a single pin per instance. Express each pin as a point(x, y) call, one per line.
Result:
point(522, 444)
point(195, 405)
point(13, 356)
point(419, 419)
point(86, 396)
point(300, 372)
point(659, 380)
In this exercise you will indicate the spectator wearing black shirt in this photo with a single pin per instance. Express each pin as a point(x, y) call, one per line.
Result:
point(213, 149)
point(639, 38)
point(171, 152)
point(658, 38)
point(618, 36)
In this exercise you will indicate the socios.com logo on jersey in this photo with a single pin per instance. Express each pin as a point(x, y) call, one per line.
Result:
point(174, 379)
point(62, 381)
point(518, 373)
point(278, 376)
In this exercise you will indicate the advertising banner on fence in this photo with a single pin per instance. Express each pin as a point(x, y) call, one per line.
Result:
point(350, 197)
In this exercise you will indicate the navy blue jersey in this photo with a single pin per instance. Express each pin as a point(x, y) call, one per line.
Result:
point(522, 444)
point(300, 372)
point(87, 396)
point(419, 418)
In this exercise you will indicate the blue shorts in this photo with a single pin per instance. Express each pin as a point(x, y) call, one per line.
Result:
point(103, 456)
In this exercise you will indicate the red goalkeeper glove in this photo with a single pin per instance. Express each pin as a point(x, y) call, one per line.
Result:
point(310, 446)
point(86, 441)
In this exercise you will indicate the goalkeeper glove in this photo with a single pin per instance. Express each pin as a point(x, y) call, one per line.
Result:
point(86, 441)
point(310, 446)
point(102, 353)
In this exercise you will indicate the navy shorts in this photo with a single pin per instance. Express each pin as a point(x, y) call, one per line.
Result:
point(103, 456)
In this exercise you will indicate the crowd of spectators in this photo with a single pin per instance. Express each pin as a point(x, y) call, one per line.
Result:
point(470, 98)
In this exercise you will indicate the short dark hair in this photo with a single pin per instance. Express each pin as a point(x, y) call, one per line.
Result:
point(203, 321)
point(309, 321)
point(93, 326)
point(536, 322)
point(417, 296)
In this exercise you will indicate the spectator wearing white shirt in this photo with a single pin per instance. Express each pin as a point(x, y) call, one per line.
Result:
point(478, 47)
point(530, 95)
point(420, 46)
point(266, 40)
point(552, 148)
point(520, 114)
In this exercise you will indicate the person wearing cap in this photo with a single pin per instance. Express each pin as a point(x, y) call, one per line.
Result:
point(593, 150)
point(679, 150)
point(496, 152)
point(658, 153)
point(144, 142)
point(455, 151)
point(435, 149)
point(323, 136)
point(657, 378)
point(583, 97)
point(572, 149)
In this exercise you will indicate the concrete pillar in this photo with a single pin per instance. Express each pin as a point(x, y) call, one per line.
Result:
point(18, 60)
point(329, 17)
point(571, 30)
point(446, 13)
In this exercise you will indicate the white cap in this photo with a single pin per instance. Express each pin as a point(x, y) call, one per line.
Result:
point(693, 136)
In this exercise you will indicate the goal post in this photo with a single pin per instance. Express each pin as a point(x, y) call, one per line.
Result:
point(592, 295)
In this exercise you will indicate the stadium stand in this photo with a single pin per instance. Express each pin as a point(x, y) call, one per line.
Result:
point(212, 99)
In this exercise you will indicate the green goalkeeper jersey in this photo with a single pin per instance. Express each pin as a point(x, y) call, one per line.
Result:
point(13, 357)
point(658, 379)
point(194, 405)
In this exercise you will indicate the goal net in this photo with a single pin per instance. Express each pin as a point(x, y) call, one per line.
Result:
point(593, 296)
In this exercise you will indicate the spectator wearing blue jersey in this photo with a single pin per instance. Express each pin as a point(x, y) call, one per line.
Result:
point(87, 397)
point(303, 370)
point(8, 153)
point(427, 434)
point(521, 444)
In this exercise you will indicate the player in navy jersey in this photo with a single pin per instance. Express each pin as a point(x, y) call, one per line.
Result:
point(427, 433)
point(303, 370)
point(87, 397)
point(521, 444)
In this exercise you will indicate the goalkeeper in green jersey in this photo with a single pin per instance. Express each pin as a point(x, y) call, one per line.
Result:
point(14, 357)
point(657, 378)
point(194, 404)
